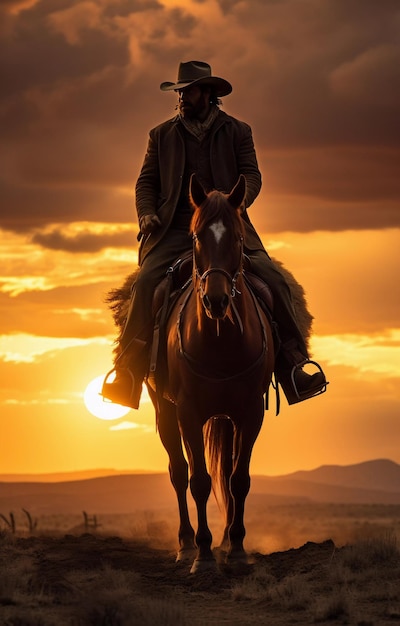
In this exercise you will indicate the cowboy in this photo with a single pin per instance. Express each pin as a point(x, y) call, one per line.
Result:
point(204, 140)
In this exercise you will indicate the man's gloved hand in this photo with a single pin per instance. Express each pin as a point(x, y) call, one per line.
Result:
point(149, 223)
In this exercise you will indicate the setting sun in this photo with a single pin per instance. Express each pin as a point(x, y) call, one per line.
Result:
point(97, 406)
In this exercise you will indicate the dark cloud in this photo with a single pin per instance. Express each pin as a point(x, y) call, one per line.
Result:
point(274, 214)
point(329, 72)
point(182, 23)
point(83, 242)
point(25, 208)
point(356, 174)
point(123, 8)
point(318, 81)
point(14, 6)
point(228, 5)
point(37, 53)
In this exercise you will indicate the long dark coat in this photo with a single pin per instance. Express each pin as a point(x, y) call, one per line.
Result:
point(159, 184)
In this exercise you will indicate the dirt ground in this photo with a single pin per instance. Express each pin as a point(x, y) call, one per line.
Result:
point(91, 580)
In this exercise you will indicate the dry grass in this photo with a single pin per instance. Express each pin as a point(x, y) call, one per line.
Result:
point(337, 607)
point(113, 598)
point(101, 580)
point(380, 551)
point(358, 584)
point(256, 586)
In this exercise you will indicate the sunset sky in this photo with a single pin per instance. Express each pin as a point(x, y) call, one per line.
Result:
point(319, 82)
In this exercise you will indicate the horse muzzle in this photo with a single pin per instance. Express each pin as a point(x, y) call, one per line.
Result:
point(216, 307)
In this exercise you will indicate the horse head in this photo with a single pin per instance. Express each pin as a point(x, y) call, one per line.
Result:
point(217, 232)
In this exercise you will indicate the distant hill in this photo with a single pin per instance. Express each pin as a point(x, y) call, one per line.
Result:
point(109, 494)
point(57, 477)
point(372, 482)
point(381, 474)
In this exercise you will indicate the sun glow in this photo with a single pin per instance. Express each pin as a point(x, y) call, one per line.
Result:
point(27, 348)
point(97, 406)
point(375, 353)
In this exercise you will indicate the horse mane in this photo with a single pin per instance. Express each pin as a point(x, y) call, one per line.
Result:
point(118, 300)
point(216, 207)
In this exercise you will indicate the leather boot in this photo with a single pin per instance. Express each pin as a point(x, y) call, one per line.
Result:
point(125, 387)
point(297, 384)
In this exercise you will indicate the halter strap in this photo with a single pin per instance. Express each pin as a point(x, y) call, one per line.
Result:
point(202, 277)
point(218, 270)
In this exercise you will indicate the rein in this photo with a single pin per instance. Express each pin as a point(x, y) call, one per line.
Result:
point(217, 270)
point(193, 363)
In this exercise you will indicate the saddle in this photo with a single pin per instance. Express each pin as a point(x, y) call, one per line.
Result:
point(178, 276)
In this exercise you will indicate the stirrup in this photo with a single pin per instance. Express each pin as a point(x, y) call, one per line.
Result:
point(120, 392)
point(289, 385)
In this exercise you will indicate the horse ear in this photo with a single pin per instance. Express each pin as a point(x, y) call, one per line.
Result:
point(238, 193)
point(197, 195)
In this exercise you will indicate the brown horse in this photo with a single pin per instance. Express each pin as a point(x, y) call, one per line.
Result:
point(220, 359)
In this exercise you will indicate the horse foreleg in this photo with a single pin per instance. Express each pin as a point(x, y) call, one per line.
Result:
point(200, 486)
point(178, 471)
point(226, 472)
point(240, 485)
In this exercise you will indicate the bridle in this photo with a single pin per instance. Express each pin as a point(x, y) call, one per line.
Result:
point(193, 363)
point(217, 270)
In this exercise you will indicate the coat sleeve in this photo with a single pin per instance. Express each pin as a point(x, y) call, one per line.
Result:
point(248, 166)
point(148, 183)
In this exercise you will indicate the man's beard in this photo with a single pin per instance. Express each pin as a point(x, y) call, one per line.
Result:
point(191, 112)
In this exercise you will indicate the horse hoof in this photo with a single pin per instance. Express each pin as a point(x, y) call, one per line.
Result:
point(203, 565)
point(238, 563)
point(239, 556)
point(185, 554)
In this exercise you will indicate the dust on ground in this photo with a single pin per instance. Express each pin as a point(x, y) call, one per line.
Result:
point(93, 580)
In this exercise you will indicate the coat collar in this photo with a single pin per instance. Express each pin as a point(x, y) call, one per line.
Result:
point(222, 118)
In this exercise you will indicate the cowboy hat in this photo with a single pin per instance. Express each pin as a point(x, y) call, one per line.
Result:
point(197, 73)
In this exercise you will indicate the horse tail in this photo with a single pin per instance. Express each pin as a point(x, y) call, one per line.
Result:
point(218, 441)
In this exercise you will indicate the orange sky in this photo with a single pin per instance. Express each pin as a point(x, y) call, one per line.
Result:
point(318, 82)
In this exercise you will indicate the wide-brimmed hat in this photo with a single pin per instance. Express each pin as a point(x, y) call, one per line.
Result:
point(197, 73)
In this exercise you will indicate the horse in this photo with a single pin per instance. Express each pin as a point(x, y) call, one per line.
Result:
point(211, 384)
point(219, 363)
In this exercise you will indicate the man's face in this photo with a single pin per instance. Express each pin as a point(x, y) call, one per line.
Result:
point(194, 102)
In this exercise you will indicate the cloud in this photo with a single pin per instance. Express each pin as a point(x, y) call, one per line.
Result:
point(347, 275)
point(343, 188)
point(52, 257)
point(78, 311)
point(14, 6)
point(132, 426)
point(371, 77)
point(30, 36)
point(28, 206)
point(316, 80)
point(86, 242)
point(45, 369)
point(25, 348)
point(348, 278)
point(379, 354)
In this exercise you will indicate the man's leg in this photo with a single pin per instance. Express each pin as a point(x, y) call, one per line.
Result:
point(131, 362)
point(297, 384)
point(131, 355)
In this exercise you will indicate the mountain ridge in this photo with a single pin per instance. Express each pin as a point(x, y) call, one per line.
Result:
point(57, 477)
point(315, 473)
point(381, 474)
point(362, 483)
